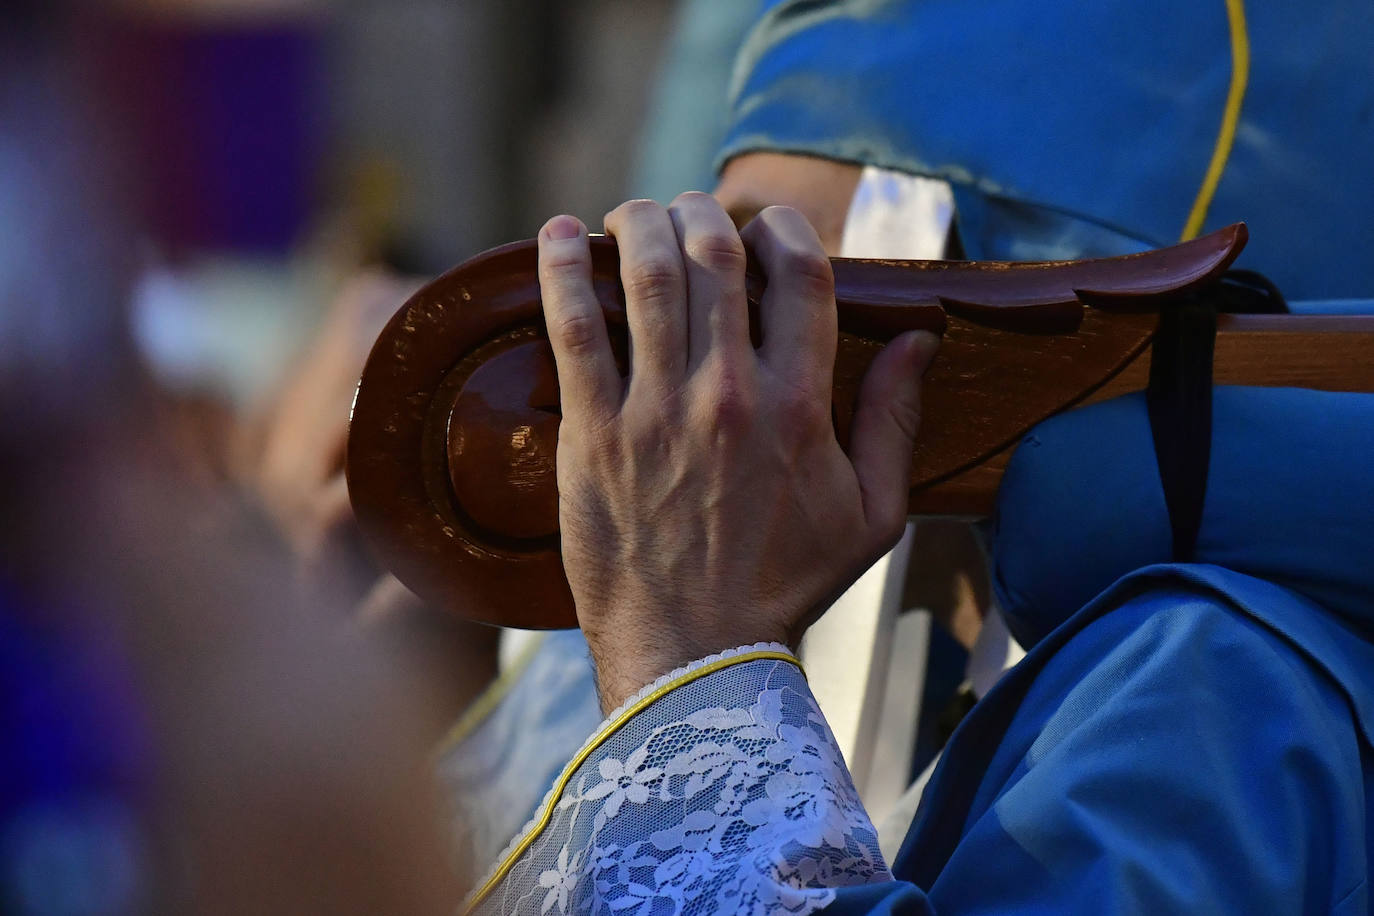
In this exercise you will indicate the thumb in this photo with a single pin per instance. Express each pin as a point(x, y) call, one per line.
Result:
point(885, 424)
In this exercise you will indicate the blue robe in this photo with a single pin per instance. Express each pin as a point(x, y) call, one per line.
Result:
point(1197, 738)
point(1180, 738)
point(1073, 130)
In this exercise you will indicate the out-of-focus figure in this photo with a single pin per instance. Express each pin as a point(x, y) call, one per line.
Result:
point(179, 730)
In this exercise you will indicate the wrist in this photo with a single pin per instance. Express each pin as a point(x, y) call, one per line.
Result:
point(623, 684)
point(618, 679)
point(626, 659)
point(624, 665)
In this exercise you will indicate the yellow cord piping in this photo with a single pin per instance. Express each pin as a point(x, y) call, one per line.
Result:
point(1226, 137)
point(566, 776)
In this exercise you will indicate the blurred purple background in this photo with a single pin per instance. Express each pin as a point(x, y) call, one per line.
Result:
point(228, 126)
point(262, 152)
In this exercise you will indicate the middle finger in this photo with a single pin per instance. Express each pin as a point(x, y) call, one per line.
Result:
point(717, 310)
point(655, 292)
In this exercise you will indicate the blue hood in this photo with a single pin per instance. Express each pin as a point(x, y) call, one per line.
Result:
point(1107, 114)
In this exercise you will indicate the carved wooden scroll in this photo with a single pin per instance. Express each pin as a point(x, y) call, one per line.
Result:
point(454, 429)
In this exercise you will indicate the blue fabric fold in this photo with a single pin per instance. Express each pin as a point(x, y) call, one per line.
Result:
point(1290, 500)
point(1077, 129)
point(1180, 736)
point(1164, 750)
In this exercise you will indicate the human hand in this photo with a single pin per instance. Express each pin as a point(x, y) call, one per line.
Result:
point(704, 501)
point(297, 469)
point(298, 479)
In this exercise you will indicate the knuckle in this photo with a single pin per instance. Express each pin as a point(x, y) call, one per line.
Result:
point(653, 280)
point(779, 212)
point(576, 331)
point(751, 233)
point(558, 262)
point(887, 522)
point(905, 416)
point(802, 404)
point(631, 209)
point(809, 269)
point(645, 440)
point(803, 414)
point(730, 416)
point(729, 400)
point(694, 197)
point(719, 252)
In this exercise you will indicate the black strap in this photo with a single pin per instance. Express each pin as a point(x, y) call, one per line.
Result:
point(1247, 292)
point(1180, 404)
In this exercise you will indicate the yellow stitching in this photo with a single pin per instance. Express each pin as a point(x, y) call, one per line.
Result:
point(566, 776)
point(1226, 136)
point(488, 699)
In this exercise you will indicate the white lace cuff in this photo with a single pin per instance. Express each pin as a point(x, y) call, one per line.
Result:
point(718, 788)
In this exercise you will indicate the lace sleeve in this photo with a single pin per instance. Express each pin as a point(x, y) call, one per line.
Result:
point(717, 789)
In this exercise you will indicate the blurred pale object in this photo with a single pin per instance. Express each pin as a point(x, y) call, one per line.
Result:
point(223, 326)
point(895, 215)
point(849, 652)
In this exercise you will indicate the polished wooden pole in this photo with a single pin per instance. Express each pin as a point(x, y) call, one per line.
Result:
point(454, 430)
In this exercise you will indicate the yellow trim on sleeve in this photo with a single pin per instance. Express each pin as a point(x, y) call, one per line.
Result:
point(490, 698)
point(601, 738)
point(1226, 136)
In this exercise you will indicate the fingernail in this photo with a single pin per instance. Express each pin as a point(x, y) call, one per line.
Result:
point(562, 228)
point(924, 346)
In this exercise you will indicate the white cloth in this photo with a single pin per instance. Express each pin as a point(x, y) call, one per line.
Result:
point(719, 788)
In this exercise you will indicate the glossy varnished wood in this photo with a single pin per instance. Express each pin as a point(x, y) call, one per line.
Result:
point(1322, 352)
point(451, 451)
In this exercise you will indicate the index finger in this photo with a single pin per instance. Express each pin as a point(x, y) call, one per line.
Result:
point(590, 386)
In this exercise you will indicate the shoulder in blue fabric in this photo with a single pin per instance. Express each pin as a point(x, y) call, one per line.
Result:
point(1289, 502)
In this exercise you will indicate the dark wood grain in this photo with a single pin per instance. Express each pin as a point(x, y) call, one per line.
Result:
point(454, 430)
point(1321, 352)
